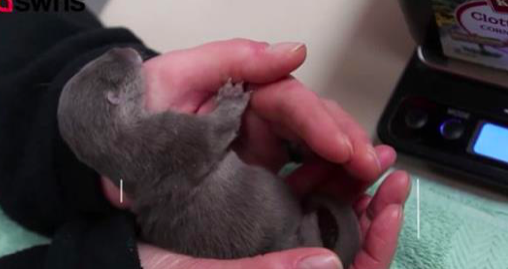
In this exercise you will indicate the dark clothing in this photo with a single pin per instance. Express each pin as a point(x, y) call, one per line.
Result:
point(43, 186)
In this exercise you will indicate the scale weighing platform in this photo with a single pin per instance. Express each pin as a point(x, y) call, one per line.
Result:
point(451, 104)
point(450, 119)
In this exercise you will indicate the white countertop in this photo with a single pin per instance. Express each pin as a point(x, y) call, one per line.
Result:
point(357, 49)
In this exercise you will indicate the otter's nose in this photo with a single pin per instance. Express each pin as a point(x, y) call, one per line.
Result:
point(128, 54)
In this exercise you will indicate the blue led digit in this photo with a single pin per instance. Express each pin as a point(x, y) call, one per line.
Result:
point(492, 142)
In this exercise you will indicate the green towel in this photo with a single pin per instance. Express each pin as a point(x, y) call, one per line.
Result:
point(457, 230)
point(14, 238)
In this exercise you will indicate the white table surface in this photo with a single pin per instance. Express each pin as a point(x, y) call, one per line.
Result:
point(357, 50)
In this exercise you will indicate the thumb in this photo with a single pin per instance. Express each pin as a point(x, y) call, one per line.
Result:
point(304, 258)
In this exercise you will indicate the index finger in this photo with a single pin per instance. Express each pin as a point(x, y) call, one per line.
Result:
point(290, 104)
point(211, 65)
point(194, 75)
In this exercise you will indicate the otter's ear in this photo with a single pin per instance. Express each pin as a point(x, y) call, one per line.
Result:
point(113, 98)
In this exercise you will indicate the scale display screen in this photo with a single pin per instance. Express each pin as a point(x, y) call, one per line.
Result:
point(492, 142)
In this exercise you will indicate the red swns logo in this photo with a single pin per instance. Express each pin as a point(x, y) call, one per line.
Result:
point(6, 6)
point(500, 6)
point(9, 6)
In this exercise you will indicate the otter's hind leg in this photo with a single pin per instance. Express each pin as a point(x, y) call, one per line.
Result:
point(330, 224)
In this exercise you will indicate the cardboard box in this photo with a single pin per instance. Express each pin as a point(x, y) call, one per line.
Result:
point(474, 31)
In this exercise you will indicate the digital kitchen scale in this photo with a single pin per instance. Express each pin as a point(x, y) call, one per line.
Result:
point(446, 108)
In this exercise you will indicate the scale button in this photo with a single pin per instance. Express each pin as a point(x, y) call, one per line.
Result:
point(452, 129)
point(416, 118)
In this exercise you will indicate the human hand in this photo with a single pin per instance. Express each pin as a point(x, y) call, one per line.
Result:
point(284, 109)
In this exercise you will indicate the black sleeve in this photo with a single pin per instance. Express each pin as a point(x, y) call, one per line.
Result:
point(43, 186)
point(85, 243)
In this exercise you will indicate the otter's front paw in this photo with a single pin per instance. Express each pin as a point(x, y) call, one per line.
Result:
point(233, 98)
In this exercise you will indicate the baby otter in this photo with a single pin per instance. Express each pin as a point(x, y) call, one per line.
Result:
point(190, 191)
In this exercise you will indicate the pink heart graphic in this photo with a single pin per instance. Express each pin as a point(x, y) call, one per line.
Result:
point(6, 7)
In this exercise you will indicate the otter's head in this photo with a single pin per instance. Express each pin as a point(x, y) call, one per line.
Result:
point(94, 101)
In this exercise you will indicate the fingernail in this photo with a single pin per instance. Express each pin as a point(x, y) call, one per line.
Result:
point(285, 47)
point(397, 213)
point(409, 186)
point(299, 47)
point(344, 141)
point(373, 154)
point(320, 262)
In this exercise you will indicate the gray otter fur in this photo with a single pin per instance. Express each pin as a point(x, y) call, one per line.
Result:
point(190, 192)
